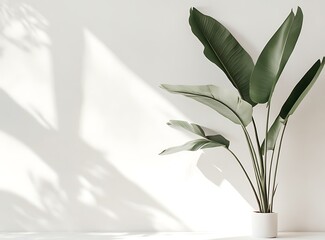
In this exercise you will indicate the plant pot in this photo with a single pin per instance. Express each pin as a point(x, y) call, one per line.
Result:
point(264, 225)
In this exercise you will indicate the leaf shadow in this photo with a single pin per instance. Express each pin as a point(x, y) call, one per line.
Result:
point(114, 201)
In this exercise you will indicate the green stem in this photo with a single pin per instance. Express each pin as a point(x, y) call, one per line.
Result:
point(247, 176)
point(270, 172)
point(257, 139)
point(276, 165)
point(259, 151)
point(252, 151)
point(264, 172)
point(266, 130)
point(255, 166)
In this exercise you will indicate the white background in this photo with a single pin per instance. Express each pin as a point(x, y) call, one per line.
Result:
point(83, 118)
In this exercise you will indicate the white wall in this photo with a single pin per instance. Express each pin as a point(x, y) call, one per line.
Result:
point(83, 119)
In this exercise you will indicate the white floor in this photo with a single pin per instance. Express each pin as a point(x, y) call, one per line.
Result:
point(147, 236)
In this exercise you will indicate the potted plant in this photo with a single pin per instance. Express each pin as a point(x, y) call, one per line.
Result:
point(255, 84)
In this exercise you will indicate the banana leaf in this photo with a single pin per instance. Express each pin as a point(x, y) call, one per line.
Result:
point(274, 57)
point(205, 142)
point(192, 146)
point(221, 48)
point(296, 96)
point(227, 103)
point(301, 89)
point(273, 133)
point(198, 130)
point(191, 127)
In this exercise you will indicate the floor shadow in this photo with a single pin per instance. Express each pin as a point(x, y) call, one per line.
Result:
point(115, 201)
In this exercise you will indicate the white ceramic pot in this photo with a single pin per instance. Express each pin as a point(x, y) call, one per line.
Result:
point(264, 225)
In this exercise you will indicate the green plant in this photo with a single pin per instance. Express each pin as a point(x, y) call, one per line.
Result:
point(255, 84)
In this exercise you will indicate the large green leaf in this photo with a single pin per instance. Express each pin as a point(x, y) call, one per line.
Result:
point(204, 142)
point(227, 103)
point(198, 130)
point(301, 89)
point(191, 127)
point(273, 134)
point(274, 57)
point(293, 101)
point(221, 48)
point(192, 146)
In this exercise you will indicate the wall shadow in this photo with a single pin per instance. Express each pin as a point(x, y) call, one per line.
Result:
point(118, 202)
point(218, 167)
point(119, 25)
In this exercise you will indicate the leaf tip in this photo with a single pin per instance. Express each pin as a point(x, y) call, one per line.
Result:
point(299, 10)
point(192, 11)
point(165, 86)
point(162, 153)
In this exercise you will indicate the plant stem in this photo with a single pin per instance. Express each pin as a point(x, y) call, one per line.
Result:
point(257, 139)
point(252, 151)
point(270, 172)
point(247, 176)
point(276, 165)
point(260, 153)
point(255, 166)
point(264, 172)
